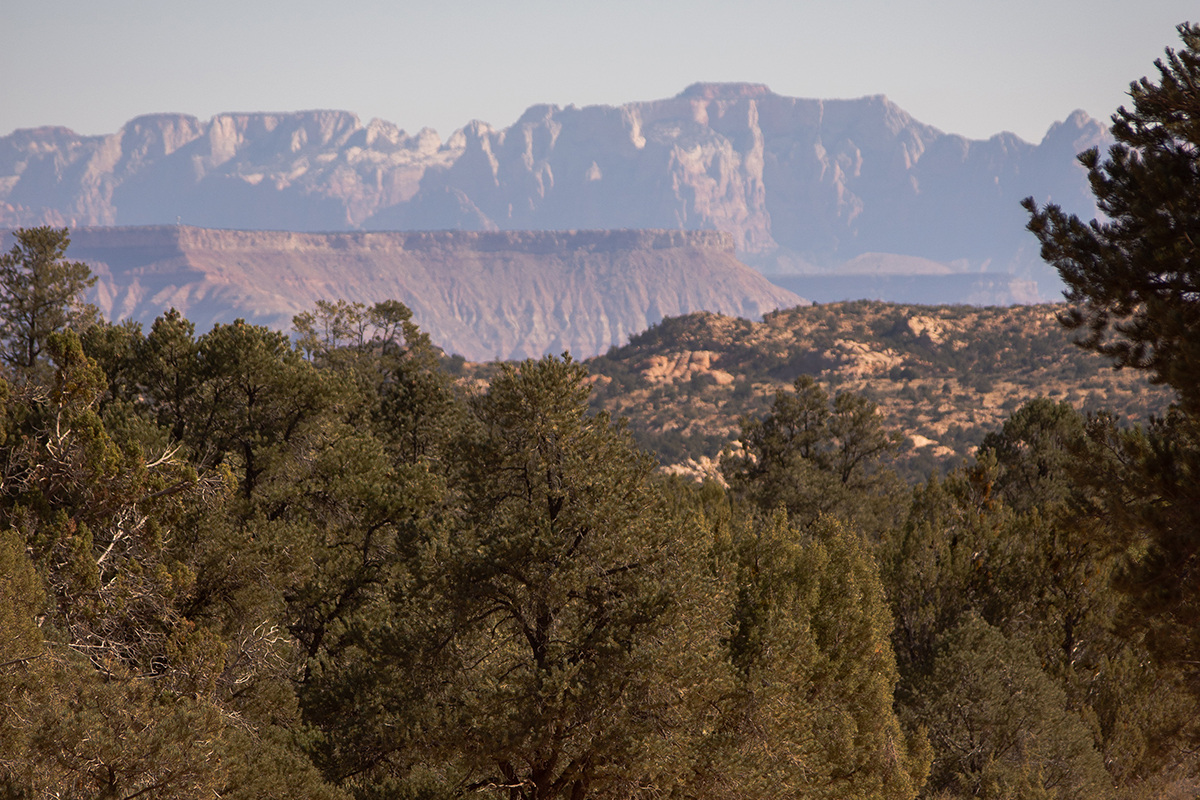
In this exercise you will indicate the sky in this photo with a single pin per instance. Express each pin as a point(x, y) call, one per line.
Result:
point(972, 67)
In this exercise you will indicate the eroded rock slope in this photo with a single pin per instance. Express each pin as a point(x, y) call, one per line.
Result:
point(484, 295)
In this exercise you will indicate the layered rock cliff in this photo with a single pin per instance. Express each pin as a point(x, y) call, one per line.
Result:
point(797, 183)
point(485, 295)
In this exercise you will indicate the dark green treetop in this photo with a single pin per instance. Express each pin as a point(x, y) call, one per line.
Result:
point(1133, 276)
point(1034, 451)
point(814, 455)
point(40, 293)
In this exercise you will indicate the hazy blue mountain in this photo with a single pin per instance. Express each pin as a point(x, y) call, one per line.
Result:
point(802, 185)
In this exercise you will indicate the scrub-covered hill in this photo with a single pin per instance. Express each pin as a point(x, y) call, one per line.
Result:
point(942, 375)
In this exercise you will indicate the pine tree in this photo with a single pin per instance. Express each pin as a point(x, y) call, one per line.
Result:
point(40, 293)
point(593, 629)
point(1133, 278)
point(812, 455)
point(1133, 282)
point(560, 636)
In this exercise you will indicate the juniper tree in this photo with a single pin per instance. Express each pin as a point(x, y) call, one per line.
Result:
point(813, 455)
point(1133, 280)
point(812, 713)
point(1133, 276)
point(40, 292)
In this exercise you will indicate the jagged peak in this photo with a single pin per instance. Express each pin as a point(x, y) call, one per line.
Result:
point(160, 118)
point(477, 129)
point(723, 91)
point(1080, 129)
point(539, 112)
point(1079, 120)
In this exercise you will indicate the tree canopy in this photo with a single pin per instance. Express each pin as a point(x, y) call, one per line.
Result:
point(242, 565)
point(40, 292)
point(1133, 277)
point(245, 564)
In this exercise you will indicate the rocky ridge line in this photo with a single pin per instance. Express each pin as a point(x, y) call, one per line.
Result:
point(800, 184)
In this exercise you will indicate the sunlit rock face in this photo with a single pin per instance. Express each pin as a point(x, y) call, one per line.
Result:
point(801, 185)
point(502, 294)
point(311, 170)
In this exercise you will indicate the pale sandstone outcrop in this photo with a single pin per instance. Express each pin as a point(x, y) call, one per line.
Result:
point(704, 468)
point(858, 360)
point(683, 367)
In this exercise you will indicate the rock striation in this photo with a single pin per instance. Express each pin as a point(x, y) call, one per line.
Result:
point(499, 294)
point(799, 184)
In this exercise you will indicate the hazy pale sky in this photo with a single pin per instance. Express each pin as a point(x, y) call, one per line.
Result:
point(974, 67)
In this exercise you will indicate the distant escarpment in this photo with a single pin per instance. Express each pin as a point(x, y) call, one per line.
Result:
point(507, 294)
point(801, 185)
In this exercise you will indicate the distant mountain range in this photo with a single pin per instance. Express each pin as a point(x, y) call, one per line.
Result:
point(802, 186)
point(484, 295)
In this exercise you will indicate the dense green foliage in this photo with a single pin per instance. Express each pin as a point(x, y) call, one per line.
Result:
point(1134, 280)
point(235, 565)
point(40, 292)
point(242, 565)
point(814, 456)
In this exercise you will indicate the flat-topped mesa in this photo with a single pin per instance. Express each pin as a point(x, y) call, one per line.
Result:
point(794, 180)
point(120, 246)
point(174, 240)
point(484, 294)
point(561, 242)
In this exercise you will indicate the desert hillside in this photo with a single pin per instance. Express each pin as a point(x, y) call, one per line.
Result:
point(942, 375)
point(480, 294)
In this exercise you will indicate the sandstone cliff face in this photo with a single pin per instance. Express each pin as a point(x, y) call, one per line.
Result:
point(791, 180)
point(485, 295)
point(308, 170)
